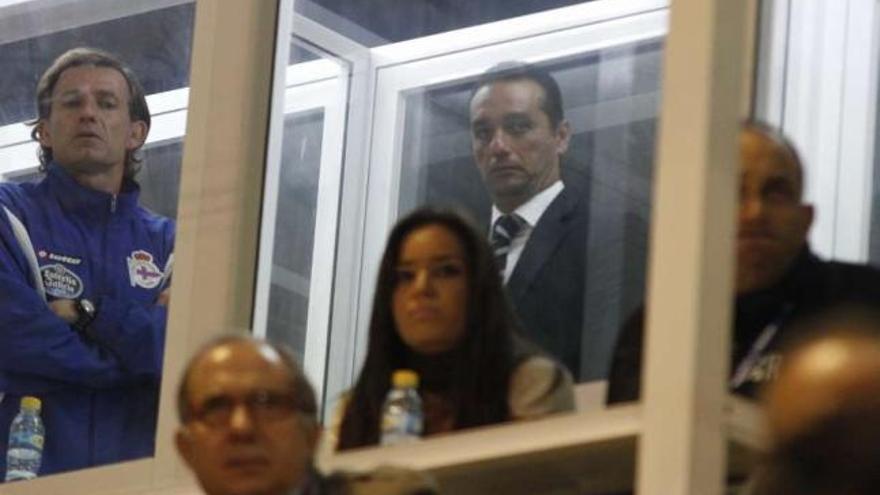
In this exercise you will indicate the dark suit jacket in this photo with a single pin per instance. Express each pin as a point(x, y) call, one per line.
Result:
point(546, 287)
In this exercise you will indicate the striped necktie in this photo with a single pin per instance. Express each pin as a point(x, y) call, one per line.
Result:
point(504, 231)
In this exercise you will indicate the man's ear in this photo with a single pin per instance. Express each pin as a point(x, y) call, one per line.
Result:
point(808, 213)
point(184, 444)
point(563, 137)
point(43, 135)
point(137, 135)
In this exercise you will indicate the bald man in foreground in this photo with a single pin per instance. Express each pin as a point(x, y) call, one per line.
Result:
point(249, 427)
point(823, 412)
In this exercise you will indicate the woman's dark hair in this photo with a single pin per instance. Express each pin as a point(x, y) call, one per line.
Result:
point(481, 363)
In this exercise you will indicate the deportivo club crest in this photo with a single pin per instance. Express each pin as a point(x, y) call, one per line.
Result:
point(142, 272)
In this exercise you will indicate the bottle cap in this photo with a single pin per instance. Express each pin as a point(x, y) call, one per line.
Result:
point(28, 402)
point(405, 379)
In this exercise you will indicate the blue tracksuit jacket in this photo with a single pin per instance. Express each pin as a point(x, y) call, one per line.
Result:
point(99, 392)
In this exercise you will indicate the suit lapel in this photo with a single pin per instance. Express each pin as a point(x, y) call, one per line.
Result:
point(548, 233)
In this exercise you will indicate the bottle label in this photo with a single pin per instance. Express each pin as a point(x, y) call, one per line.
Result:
point(396, 423)
point(27, 438)
point(408, 424)
point(19, 475)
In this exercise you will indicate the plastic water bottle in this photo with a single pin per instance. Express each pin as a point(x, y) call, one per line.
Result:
point(25, 453)
point(402, 417)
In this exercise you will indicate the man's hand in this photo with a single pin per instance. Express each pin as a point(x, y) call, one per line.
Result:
point(65, 309)
point(164, 297)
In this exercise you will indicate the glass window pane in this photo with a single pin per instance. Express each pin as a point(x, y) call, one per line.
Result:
point(875, 201)
point(817, 87)
point(388, 126)
point(610, 100)
point(299, 213)
point(160, 180)
point(89, 258)
point(156, 43)
point(817, 73)
point(294, 229)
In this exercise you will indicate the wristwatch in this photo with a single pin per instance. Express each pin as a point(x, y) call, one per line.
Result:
point(87, 313)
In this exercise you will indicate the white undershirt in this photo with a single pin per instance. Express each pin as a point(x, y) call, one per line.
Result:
point(531, 211)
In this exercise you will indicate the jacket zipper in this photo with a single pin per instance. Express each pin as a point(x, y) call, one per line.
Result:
point(103, 283)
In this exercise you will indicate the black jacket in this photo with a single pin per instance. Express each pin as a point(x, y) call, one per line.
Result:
point(809, 288)
point(546, 287)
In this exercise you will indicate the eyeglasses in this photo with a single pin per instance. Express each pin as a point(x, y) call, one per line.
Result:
point(262, 405)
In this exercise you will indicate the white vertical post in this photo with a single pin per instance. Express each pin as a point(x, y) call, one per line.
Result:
point(682, 447)
point(220, 191)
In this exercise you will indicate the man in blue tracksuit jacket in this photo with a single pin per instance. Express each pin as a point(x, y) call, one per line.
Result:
point(84, 272)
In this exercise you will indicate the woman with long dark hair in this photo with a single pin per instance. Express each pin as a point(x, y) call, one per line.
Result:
point(440, 309)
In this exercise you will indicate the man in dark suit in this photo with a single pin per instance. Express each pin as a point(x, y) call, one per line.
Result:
point(539, 225)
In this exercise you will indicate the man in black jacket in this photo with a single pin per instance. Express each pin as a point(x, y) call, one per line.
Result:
point(779, 281)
